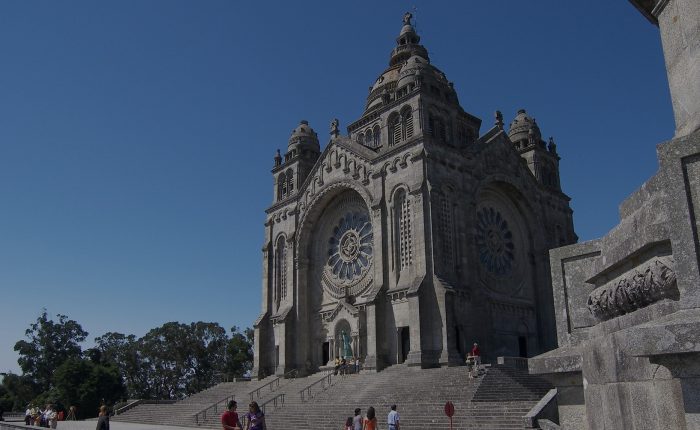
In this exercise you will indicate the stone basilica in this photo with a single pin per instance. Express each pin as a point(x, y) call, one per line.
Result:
point(412, 236)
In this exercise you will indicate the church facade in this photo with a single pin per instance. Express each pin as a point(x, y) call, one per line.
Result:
point(414, 235)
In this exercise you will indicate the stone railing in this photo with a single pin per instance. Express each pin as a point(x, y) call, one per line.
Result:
point(545, 409)
point(514, 362)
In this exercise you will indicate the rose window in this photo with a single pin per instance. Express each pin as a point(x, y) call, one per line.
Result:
point(494, 241)
point(350, 248)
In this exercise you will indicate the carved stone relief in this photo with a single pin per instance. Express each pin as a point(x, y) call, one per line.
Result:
point(641, 287)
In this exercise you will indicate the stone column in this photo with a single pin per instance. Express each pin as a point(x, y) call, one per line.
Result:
point(284, 365)
point(398, 345)
point(371, 362)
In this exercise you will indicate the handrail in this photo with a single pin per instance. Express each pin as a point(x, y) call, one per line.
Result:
point(276, 382)
point(215, 406)
point(128, 406)
point(305, 392)
point(277, 400)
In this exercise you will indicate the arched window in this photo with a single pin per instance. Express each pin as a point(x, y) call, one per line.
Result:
point(361, 138)
point(394, 129)
point(377, 134)
point(402, 229)
point(290, 181)
point(407, 123)
point(282, 185)
point(446, 233)
point(369, 140)
point(280, 267)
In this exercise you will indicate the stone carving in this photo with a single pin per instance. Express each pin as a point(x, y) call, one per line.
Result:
point(494, 241)
point(335, 130)
point(347, 349)
point(642, 288)
point(407, 18)
point(350, 248)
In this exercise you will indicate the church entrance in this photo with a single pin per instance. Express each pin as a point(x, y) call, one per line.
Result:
point(326, 352)
point(522, 346)
point(404, 344)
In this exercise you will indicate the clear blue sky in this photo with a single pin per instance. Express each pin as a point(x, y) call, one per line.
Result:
point(137, 137)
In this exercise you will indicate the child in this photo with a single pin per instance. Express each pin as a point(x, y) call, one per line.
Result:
point(348, 423)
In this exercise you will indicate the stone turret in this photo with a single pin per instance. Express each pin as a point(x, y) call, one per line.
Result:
point(542, 161)
point(409, 85)
point(303, 150)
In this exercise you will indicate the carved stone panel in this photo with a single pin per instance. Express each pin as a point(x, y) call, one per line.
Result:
point(650, 283)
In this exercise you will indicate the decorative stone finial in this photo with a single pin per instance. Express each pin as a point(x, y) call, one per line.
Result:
point(499, 120)
point(278, 158)
point(552, 146)
point(407, 18)
point(335, 130)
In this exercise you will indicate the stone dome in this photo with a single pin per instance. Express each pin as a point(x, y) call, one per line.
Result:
point(522, 126)
point(411, 70)
point(303, 135)
point(407, 29)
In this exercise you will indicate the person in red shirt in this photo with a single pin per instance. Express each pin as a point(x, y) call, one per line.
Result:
point(476, 353)
point(229, 419)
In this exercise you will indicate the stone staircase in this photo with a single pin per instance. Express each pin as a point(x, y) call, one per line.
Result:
point(182, 413)
point(497, 400)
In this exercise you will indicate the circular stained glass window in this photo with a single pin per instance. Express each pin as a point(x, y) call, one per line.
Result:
point(494, 242)
point(350, 248)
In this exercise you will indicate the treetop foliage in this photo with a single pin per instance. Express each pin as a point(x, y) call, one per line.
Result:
point(172, 361)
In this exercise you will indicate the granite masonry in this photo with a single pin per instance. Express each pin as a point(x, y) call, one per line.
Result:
point(628, 304)
point(412, 236)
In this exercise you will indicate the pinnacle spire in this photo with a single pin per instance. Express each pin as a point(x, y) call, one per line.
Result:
point(408, 43)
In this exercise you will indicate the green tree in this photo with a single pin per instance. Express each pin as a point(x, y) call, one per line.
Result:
point(17, 391)
point(83, 383)
point(49, 344)
point(208, 342)
point(239, 353)
point(124, 352)
point(182, 359)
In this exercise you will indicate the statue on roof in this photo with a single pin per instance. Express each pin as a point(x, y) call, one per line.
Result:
point(407, 18)
point(335, 127)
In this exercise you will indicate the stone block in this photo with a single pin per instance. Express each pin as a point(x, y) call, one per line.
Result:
point(641, 397)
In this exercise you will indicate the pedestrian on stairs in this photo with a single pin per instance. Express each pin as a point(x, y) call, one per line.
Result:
point(229, 419)
point(357, 420)
point(393, 419)
point(370, 422)
point(255, 417)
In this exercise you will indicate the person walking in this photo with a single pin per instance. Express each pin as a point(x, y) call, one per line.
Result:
point(229, 419)
point(103, 419)
point(357, 420)
point(393, 419)
point(370, 422)
point(52, 417)
point(476, 353)
point(255, 417)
